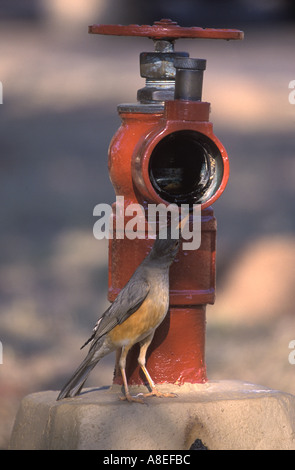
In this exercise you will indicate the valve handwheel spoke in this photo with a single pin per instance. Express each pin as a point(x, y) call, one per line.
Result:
point(166, 29)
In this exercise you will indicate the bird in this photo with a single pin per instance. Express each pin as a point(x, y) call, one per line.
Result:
point(132, 318)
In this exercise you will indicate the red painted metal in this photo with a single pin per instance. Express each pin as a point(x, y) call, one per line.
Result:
point(178, 116)
point(177, 353)
point(165, 28)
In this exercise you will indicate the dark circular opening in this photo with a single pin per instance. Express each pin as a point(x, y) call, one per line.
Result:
point(186, 167)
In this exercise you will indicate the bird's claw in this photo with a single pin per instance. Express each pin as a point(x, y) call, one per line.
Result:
point(132, 399)
point(153, 393)
point(156, 393)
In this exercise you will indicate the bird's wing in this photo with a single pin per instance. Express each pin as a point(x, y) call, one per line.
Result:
point(127, 302)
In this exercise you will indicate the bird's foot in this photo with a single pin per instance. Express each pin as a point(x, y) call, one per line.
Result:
point(132, 399)
point(155, 393)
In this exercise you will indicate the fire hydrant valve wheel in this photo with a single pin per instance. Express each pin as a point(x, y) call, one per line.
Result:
point(165, 28)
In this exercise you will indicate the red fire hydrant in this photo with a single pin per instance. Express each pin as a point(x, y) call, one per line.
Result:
point(165, 152)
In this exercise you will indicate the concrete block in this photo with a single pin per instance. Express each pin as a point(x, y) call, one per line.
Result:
point(223, 415)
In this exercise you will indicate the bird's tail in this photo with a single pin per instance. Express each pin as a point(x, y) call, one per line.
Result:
point(76, 382)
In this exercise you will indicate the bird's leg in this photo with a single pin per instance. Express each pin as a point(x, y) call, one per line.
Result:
point(122, 365)
point(154, 391)
point(141, 361)
point(128, 396)
point(117, 367)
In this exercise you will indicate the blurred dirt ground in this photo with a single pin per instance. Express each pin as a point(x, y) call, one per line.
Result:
point(60, 91)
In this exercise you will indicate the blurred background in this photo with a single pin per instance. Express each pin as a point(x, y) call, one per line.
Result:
point(61, 87)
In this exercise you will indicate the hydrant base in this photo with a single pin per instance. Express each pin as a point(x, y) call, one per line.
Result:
point(223, 415)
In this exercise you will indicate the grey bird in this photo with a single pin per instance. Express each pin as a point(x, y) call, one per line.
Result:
point(132, 318)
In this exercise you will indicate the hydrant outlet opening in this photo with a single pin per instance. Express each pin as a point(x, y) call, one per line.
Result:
point(186, 167)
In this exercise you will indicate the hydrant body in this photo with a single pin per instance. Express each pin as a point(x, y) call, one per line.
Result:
point(177, 352)
point(165, 152)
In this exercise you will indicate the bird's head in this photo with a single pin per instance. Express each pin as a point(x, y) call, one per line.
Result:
point(165, 249)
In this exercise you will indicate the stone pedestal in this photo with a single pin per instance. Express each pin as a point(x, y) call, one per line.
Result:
point(222, 415)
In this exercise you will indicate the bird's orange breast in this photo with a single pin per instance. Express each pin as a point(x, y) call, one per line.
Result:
point(140, 323)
